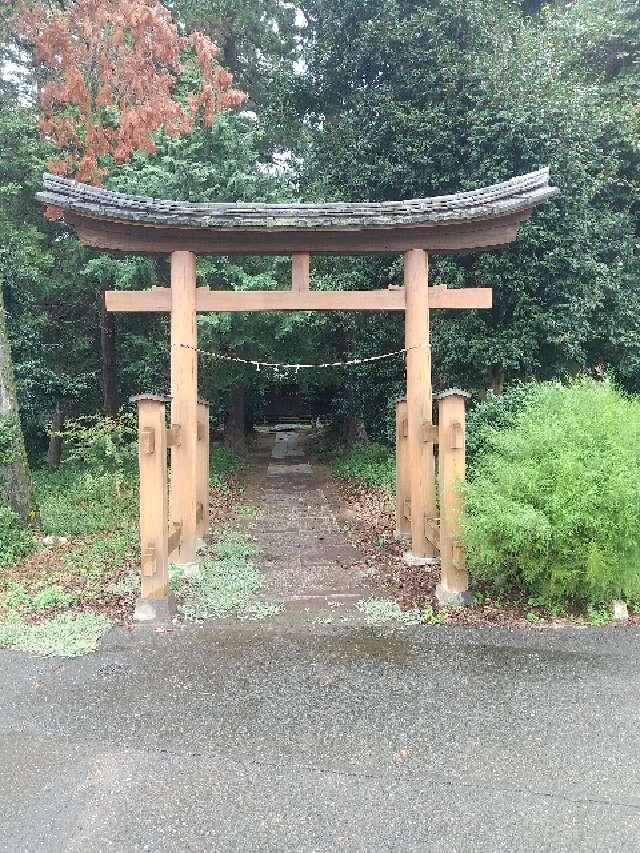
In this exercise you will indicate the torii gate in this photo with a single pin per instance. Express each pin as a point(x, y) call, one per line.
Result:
point(479, 219)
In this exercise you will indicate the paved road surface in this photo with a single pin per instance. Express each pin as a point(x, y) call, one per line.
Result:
point(325, 738)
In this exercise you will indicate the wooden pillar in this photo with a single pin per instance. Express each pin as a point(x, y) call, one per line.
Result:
point(152, 457)
point(202, 529)
point(300, 264)
point(403, 471)
point(454, 579)
point(184, 405)
point(419, 402)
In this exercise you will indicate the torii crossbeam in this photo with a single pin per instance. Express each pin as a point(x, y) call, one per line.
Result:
point(479, 219)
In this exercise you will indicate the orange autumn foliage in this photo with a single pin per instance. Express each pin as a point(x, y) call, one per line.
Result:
point(111, 71)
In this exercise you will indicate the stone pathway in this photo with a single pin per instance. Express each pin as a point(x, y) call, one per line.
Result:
point(301, 549)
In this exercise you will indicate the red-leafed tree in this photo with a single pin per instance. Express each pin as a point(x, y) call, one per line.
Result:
point(110, 73)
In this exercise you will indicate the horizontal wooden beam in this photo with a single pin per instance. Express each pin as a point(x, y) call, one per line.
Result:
point(156, 299)
point(159, 299)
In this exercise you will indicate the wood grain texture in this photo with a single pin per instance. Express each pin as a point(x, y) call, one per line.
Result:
point(184, 404)
point(300, 265)
point(419, 400)
point(159, 299)
point(202, 497)
point(403, 469)
point(516, 194)
point(454, 577)
point(152, 460)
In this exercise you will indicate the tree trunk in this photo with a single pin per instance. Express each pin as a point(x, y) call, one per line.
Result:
point(55, 439)
point(15, 478)
point(353, 431)
point(496, 377)
point(110, 391)
point(234, 423)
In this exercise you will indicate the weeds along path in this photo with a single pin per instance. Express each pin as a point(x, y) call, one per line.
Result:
point(301, 550)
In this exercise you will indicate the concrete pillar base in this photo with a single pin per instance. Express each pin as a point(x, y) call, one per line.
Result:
point(411, 560)
point(457, 599)
point(155, 610)
point(191, 570)
point(620, 611)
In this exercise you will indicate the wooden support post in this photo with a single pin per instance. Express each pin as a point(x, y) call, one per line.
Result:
point(300, 273)
point(419, 402)
point(184, 404)
point(403, 471)
point(202, 529)
point(152, 457)
point(454, 579)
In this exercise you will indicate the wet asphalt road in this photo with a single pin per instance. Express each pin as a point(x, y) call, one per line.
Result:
point(258, 738)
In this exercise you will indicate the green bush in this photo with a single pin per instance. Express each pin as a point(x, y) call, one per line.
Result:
point(222, 463)
point(96, 487)
point(16, 541)
point(496, 411)
point(552, 505)
point(75, 500)
point(371, 464)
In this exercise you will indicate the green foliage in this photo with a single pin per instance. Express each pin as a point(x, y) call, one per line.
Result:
point(371, 464)
point(75, 500)
point(16, 541)
point(53, 596)
point(101, 557)
point(599, 615)
point(102, 442)
point(9, 438)
point(18, 599)
point(496, 411)
point(95, 488)
point(381, 611)
point(225, 585)
point(553, 506)
point(68, 635)
point(222, 463)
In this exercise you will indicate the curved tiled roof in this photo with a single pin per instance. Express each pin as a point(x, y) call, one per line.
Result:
point(499, 200)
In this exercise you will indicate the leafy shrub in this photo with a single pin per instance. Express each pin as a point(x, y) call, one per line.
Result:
point(222, 463)
point(96, 486)
point(372, 464)
point(52, 596)
point(102, 442)
point(496, 411)
point(553, 503)
point(16, 541)
point(75, 500)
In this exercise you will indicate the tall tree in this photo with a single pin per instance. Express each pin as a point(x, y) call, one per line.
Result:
point(112, 71)
point(408, 99)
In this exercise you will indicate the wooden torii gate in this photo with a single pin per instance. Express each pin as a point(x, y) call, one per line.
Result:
point(479, 219)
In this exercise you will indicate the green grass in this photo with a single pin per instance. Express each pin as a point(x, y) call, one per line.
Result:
point(68, 635)
point(77, 500)
point(383, 611)
point(16, 541)
point(223, 463)
point(226, 585)
point(370, 464)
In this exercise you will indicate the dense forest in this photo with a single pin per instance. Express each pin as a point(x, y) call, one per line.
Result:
point(344, 101)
